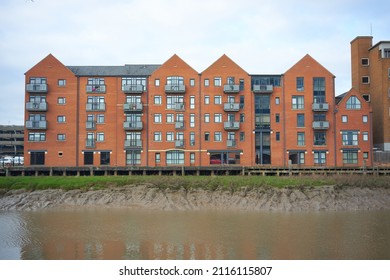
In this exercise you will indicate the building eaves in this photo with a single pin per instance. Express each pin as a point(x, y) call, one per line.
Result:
point(377, 44)
point(114, 71)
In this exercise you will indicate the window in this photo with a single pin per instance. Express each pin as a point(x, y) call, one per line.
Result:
point(300, 84)
point(134, 83)
point(170, 136)
point(157, 82)
point(157, 118)
point(175, 80)
point(192, 120)
point(241, 84)
point(277, 136)
point(366, 97)
point(217, 99)
point(37, 136)
point(365, 136)
point(365, 61)
point(301, 139)
point(319, 90)
point(38, 81)
point(277, 100)
point(133, 157)
point(175, 102)
point(365, 155)
point(61, 83)
point(300, 120)
point(386, 53)
point(242, 117)
point(350, 156)
point(206, 82)
point(175, 157)
point(298, 102)
point(206, 118)
point(61, 137)
point(277, 118)
point(242, 101)
point(350, 138)
point(344, 119)
point(157, 158)
point(217, 81)
point(242, 136)
point(170, 118)
point(207, 136)
point(100, 119)
point(157, 100)
point(192, 82)
point(88, 158)
point(61, 119)
point(365, 119)
point(61, 100)
point(157, 136)
point(217, 118)
point(100, 136)
point(230, 80)
point(192, 157)
point(217, 136)
point(192, 102)
point(104, 158)
point(319, 157)
point(365, 80)
point(353, 103)
point(206, 100)
point(319, 138)
point(192, 138)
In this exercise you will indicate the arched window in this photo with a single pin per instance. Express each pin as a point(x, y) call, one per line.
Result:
point(353, 103)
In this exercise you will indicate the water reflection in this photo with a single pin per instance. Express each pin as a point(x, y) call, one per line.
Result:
point(141, 234)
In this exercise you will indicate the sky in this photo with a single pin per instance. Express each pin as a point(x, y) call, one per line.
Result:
point(262, 36)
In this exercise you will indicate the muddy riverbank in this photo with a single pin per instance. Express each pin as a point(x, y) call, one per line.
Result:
point(324, 198)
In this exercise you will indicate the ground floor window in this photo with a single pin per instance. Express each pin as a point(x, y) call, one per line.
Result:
point(133, 157)
point(350, 157)
point(37, 158)
point(296, 157)
point(223, 157)
point(88, 158)
point(175, 157)
point(105, 158)
point(319, 157)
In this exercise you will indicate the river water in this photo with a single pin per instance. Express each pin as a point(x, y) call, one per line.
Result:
point(113, 233)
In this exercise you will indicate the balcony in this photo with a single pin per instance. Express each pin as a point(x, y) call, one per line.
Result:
point(36, 106)
point(175, 88)
point(133, 143)
point(231, 125)
point(36, 88)
point(320, 107)
point(36, 124)
point(179, 125)
point(91, 125)
point(231, 107)
point(96, 107)
point(90, 143)
point(231, 88)
point(133, 88)
point(231, 143)
point(96, 88)
point(263, 88)
point(179, 143)
point(133, 125)
point(321, 125)
point(179, 106)
point(133, 107)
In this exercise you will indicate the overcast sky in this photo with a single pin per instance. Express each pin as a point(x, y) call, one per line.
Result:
point(262, 36)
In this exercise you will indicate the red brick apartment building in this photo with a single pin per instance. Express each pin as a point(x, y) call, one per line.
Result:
point(370, 65)
point(169, 114)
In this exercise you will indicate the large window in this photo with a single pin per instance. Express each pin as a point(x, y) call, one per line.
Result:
point(134, 81)
point(319, 138)
point(175, 80)
point(350, 138)
point(353, 103)
point(133, 157)
point(105, 158)
point(175, 102)
point(298, 102)
point(37, 158)
point(37, 136)
point(350, 156)
point(319, 90)
point(175, 157)
point(301, 139)
point(319, 157)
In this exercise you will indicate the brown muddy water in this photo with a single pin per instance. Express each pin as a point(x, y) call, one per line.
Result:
point(123, 233)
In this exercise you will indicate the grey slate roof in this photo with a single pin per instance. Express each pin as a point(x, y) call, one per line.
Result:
point(126, 70)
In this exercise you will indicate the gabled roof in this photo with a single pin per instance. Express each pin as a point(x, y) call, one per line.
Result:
point(126, 70)
point(48, 60)
point(223, 61)
point(307, 59)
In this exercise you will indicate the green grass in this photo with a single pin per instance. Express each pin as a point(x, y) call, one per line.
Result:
point(187, 182)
